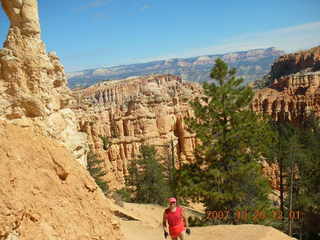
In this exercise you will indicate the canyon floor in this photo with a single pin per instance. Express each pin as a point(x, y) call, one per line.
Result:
point(143, 221)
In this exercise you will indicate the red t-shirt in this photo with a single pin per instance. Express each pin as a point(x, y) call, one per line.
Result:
point(174, 218)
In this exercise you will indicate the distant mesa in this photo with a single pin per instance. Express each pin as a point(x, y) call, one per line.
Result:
point(231, 57)
point(252, 65)
point(101, 72)
point(204, 60)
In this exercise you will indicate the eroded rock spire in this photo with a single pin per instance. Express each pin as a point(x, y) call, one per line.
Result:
point(24, 15)
point(33, 83)
point(33, 88)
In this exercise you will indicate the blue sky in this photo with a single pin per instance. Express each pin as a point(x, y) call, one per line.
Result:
point(94, 33)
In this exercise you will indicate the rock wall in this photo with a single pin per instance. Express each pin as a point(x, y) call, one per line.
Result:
point(303, 61)
point(295, 88)
point(33, 83)
point(131, 112)
point(45, 193)
point(290, 98)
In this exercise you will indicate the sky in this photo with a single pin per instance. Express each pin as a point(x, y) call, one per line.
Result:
point(98, 33)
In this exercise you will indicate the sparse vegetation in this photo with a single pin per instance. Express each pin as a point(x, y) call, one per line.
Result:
point(106, 142)
point(97, 172)
point(147, 181)
point(122, 195)
point(265, 81)
point(296, 152)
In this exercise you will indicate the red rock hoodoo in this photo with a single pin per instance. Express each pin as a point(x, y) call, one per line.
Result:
point(135, 111)
point(295, 91)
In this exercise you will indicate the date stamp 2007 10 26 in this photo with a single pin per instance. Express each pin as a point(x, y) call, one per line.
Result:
point(255, 215)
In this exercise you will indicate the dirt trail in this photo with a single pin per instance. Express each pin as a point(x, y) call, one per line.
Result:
point(148, 227)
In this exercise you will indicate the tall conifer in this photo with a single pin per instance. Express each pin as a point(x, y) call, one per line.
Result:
point(226, 173)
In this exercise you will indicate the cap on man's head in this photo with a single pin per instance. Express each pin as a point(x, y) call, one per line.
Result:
point(172, 200)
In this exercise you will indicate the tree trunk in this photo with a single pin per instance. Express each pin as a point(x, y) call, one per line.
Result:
point(291, 190)
point(281, 187)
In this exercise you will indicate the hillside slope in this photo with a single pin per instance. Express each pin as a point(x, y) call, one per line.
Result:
point(46, 194)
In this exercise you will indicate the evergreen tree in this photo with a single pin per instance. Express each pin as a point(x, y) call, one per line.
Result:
point(309, 169)
point(280, 150)
point(97, 172)
point(226, 173)
point(264, 82)
point(146, 176)
point(105, 142)
point(296, 152)
point(307, 186)
point(170, 169)
point(295, 155)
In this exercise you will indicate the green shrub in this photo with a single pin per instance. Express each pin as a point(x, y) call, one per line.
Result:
point(97, 172)
point(106, 142)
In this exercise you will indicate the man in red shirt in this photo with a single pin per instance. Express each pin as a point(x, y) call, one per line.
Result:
point(178, 223)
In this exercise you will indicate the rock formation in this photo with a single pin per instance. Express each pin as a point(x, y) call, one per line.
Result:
point(32, 83)
point(45, 193)
point(130, 112)
point(304, 61)
point(291, 98)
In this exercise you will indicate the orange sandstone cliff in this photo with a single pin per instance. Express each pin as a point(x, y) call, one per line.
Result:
point(295, 88)
point(134, 111)
point(303, 61)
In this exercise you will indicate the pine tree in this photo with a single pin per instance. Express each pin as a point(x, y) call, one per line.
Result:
point(296, 152)
point(146, 176)
point(226, 173)
point(307, 191)
point(105, 142)
point(295, 155)
point(97, 172)
point(310, 167)
point(280, 150)
point(170, 169)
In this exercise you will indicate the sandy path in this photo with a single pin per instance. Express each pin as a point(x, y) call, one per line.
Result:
point(148, 227)
point(139, 231)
